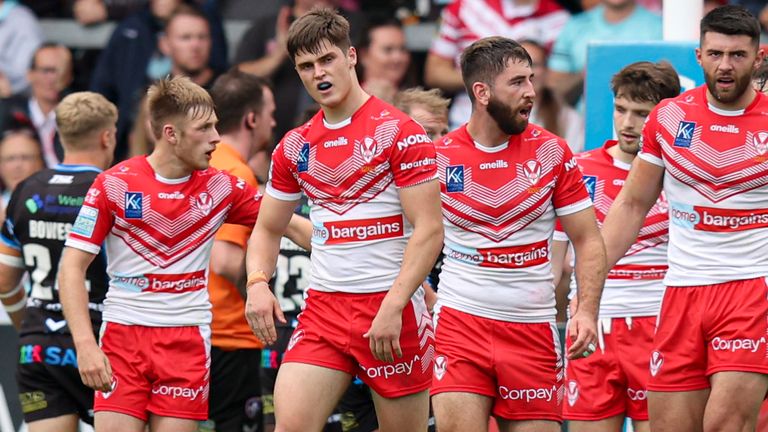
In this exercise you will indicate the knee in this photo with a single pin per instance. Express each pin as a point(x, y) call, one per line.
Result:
point(732, 419)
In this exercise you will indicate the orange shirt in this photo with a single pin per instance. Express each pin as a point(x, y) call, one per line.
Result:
point(229, 328)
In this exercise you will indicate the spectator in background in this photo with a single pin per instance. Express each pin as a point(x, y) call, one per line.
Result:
point(549, 111)
point(428, 107)
point(614, 20)
point(20, 157)
point(88, 12)
point(384, 58)
point(760, 77)
point(262, 52)
point(132, 59)
point(465, 21)
point(49, 74)
point(20, 35)
point(187, 43)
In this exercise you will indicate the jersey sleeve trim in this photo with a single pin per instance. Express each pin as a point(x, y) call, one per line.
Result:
point(11, 243)
point(282, 196)
point(560, 236)
point(419, 182)
point(652, 159)
point(573, 208)
point(83, 246)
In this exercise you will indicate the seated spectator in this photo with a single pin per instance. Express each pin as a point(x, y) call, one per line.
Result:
point(20, 35)
point(20, 157)
point(132, 59)
point(262, 52)
point(187, 43)
point(760, 77)
point(612, 20)
point(50, 73)
point(383, 58)
point(465, 21)
point(549, 111)
point(88, 12)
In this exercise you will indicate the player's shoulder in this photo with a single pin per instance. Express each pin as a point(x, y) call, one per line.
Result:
point(538, 136)
point(128, 168)
point(377, 111)
point(687, 100)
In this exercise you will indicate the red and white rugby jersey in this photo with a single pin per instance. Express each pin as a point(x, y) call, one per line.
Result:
point(716, 182)
point(351, 171)
point(634, 286)
point(158, 234)
point(465, 21)
point(499, 207)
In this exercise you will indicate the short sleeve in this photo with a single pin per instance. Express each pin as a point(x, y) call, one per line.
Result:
point(446, 44)
point(570, 194)
point(561, 59)
point(10, 246)
point(650, 150)
point(412, 157)
point(94, 221)
point(282, 184)
point(245, 200)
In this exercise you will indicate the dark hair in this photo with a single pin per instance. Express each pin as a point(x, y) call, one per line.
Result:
point(731, 20)
point(235, 94)
point(308, 33)
point(44, 45)
point(485, 59)
point(761, 75)
point(374, 22)
point(646, 82)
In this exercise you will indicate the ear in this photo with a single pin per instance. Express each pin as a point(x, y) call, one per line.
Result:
point(105, 138)
point(163, 46)
point(250, 120)
point(352, 54)
point(698, 56)
point(169, 133)
point(482, 92)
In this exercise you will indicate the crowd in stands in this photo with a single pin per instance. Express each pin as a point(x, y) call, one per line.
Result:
point(156, 38)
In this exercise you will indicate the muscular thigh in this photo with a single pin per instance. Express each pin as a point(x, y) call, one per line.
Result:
point(305, 395)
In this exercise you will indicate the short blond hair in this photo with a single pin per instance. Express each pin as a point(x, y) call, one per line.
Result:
point(431, 100)
point(176, 99)
point(81, 114)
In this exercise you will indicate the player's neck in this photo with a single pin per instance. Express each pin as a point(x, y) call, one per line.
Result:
point(485, 131)
point(351, 103)
point(622, 156)
point(86, 158)
point(739, 104)
point(167, 165)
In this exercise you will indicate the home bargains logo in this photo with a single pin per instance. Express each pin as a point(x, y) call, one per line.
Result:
point(338, 232)
point(717, 219)
point(162, 283)
point(637, 272)
point(510, 257)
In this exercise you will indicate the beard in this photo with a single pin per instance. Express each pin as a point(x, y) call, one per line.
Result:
point(630, 148)
point(505, 117)
point(740, 85)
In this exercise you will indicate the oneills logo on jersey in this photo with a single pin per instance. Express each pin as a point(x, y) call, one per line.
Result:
point(368, 149)
point(204, 203)
point(532, 171)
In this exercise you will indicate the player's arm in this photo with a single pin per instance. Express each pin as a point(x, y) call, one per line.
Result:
point(442, 73)
point(12, 293)
point(628, 212)
point(581, 228)
point(261, 305)
point(421, 206)
point(228, 261)
point(93, 365)
point(299, 230)
point(559, 255)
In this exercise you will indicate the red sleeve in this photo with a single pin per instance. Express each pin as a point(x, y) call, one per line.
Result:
point(287, 157)
point(245, 200)
point(570, 194)
point(412, 157)
point(650, 150)
point(94, 221)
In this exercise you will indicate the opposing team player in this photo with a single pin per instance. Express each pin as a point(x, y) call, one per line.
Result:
point(707, 150)
point(41, 211)
point(156, 217)
point(503, 181)
point(369, 172)
point(611, 384)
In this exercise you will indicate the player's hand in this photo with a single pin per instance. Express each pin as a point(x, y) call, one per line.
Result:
point(582, 329)
point(260, 308)
point(384, 333)
point(94, 368)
